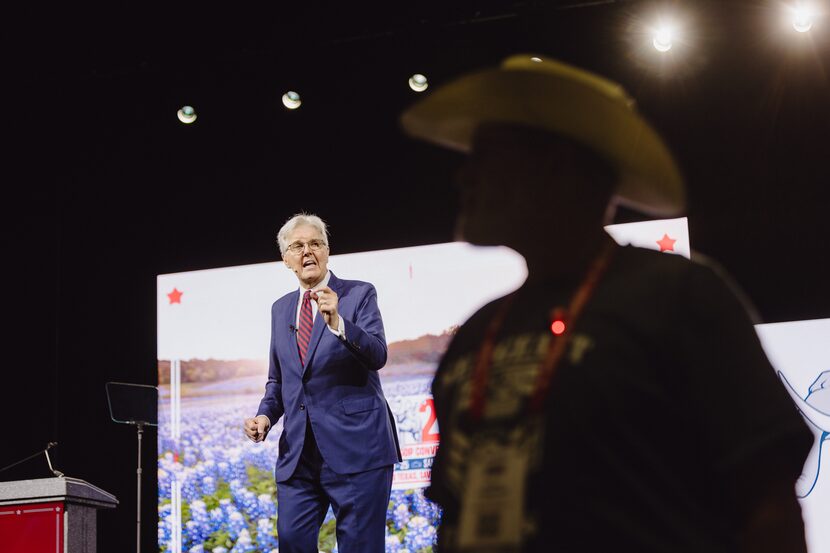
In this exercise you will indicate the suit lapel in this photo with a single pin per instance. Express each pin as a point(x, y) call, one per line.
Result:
point(320, 324)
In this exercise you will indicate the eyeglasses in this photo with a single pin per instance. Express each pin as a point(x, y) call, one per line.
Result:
point(313, 245)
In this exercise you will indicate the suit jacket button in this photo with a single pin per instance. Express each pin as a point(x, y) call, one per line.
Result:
point(302, 407)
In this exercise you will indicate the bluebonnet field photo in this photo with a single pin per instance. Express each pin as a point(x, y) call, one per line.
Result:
point(216, 488)
point(228, 490)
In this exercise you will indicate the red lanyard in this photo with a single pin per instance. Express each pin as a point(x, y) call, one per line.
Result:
point(556, 349)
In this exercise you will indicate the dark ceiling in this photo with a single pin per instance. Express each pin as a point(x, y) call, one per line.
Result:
point(104, 188)
point(742, 99)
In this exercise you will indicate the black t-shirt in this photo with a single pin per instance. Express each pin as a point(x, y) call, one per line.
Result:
point(664, 415)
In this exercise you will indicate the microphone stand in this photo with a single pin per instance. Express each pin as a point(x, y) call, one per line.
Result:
point(134, 404)
point(139, 425)
point(57, 473)
point(49, 446)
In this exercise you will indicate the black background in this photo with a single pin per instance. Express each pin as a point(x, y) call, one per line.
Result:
point(103, 188)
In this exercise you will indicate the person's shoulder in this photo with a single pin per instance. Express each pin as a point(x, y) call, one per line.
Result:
point(712, 278)
point(288, 299)
point(644, 259)
point(471, 330)
point(641, 274)
point(665, 266)
point(698, 278)
point(351, 285)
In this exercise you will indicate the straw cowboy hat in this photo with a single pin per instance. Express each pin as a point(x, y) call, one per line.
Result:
point(550, 95)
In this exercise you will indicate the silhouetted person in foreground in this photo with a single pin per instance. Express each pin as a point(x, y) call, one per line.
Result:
point(653, 422)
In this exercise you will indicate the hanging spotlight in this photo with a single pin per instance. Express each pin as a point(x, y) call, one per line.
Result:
point(536, 59)
point(662, 39)
point(803, 18)
point(291, 100)
point(186, 114)
point(666, 42)
point(418, 82)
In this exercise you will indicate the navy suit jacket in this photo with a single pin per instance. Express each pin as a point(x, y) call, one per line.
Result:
point(338, 389)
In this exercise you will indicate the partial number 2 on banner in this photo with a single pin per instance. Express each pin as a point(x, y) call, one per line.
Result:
point(429, 432)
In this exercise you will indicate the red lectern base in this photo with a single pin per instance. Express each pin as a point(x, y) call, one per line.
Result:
point(32, 527)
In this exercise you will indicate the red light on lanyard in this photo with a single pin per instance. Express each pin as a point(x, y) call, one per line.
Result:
point(558, 325)
point(555, 351)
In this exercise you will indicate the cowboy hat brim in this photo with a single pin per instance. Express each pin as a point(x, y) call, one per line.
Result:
point(564, 100)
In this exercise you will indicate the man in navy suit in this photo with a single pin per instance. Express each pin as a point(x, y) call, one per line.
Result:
point(339, 441)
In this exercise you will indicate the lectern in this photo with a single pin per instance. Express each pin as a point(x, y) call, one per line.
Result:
point(51, 515)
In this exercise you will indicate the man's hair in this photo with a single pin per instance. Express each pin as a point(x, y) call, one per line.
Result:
point(297, 220)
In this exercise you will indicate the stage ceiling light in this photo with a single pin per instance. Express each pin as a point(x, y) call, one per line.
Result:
point(291, 100)
point(418, 82)
point(662, 38)
point(186, 114)
point(803, 17)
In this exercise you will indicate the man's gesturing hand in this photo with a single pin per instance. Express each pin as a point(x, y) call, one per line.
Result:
point(257, 428)
point(326, 299)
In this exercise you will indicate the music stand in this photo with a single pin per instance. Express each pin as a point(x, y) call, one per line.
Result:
point(135, 404)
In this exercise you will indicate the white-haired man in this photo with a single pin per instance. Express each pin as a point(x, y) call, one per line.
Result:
point(339, 442)
point(620, 399)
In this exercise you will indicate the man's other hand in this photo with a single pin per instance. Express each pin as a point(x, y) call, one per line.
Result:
point(327, 302)
point(257, 428)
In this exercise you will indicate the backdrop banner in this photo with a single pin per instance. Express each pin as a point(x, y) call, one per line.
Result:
point(216, 488)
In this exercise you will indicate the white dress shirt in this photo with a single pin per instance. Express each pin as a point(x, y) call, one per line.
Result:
point(340, 331)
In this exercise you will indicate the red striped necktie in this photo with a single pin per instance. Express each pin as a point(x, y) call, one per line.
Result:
point(304, 328)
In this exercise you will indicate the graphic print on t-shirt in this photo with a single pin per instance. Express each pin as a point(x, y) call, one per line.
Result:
point(512, 378)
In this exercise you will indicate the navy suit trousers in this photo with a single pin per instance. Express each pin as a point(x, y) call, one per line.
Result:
point(359, 502)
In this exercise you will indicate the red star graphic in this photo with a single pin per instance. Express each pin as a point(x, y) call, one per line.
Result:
point(666, 244)
point(175, 296)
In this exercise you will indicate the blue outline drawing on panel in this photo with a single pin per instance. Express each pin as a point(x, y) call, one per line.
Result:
point(815, 408)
